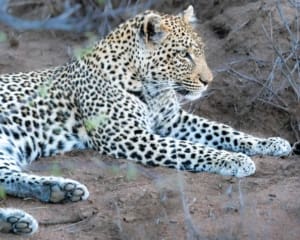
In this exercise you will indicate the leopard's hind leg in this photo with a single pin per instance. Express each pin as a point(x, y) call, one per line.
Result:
point(45, 188)
point(13, 181)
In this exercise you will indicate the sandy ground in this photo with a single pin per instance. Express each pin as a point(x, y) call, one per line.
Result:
point(130, 201)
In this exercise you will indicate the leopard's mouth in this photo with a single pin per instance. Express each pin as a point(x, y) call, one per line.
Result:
point(190, 95)
point(183, 91)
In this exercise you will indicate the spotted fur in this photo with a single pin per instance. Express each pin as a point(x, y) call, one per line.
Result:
point(120, 99)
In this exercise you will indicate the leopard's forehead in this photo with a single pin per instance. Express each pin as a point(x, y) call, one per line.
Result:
point(181, 33)
point(182, 30)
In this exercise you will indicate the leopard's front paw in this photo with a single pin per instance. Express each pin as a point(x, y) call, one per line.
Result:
point(17, 221)
point(275, 146)
point(239, 165)
point(63, 189)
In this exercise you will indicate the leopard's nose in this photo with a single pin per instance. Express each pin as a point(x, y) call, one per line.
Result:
point(203, 81)
point(205, 75)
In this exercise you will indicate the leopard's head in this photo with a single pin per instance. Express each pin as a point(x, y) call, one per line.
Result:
point(173, 53)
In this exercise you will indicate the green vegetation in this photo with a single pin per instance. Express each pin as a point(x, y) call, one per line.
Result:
point(132, 172)
point(2, 193)
point(56, 170)
point(80, 52)
point(3, 36)
point(100, 2)
point(92, 123)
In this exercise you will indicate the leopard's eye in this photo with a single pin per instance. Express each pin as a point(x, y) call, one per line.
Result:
point(185, 54)
point(188, 56)
point(182, 53)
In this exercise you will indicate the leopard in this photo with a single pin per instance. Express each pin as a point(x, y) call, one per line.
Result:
point(122, 98)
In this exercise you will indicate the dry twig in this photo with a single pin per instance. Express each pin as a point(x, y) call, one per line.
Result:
point(65, 21)
point(76, 17)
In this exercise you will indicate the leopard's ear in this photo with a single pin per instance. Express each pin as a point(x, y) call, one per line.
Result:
point(189, 15)
point(152, 29)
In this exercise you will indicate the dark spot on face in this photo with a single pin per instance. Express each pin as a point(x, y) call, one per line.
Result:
point(185, 119)
point(209, 137)
point(224, 132)
point(187, 150)
point(215, 127)
point(197, 135)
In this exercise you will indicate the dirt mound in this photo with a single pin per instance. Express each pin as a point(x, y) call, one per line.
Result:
point(250, 92)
